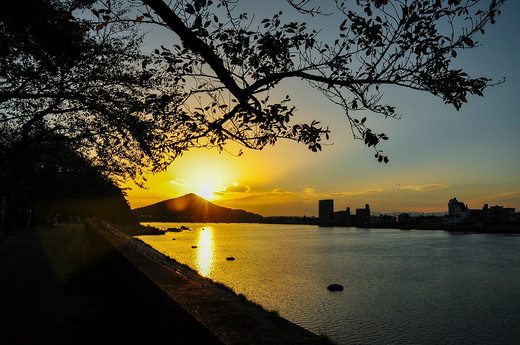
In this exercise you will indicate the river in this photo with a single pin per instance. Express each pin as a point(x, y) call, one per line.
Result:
point(400, 286)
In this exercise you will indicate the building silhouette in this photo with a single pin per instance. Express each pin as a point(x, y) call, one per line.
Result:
point(363, 215)
point(458, 218)
point(494, 214)
point(326, 212)
point(327, 216)
point(342, 217)
point(459, 213)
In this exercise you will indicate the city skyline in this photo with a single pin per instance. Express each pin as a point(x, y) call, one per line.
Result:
point(436, 153)
point(353, 208)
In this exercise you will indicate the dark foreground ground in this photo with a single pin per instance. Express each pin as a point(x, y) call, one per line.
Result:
point(81, 285)
point(68, 285)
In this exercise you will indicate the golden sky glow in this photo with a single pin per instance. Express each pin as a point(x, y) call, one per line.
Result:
point(287, 179)
point(436, 153)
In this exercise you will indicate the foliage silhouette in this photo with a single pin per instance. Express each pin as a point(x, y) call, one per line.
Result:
point(74, 72)
point(61, 79)
point(235, 60)
point(75, 68)
point(51, 183)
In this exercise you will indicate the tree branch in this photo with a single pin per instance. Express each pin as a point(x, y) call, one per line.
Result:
point(198, 46)
point(276, 77)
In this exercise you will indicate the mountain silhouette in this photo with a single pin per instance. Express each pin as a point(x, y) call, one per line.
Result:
point(193, 208)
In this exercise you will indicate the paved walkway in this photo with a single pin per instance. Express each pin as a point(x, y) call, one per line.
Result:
point(82, 285)
point(68, 285)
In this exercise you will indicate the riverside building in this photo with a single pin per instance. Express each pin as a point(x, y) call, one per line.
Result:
point(327, 216)
point(326, 212)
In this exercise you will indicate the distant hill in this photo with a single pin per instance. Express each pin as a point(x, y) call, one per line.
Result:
point(193, 208)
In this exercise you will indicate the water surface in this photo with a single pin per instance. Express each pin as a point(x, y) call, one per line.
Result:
point(401, 287)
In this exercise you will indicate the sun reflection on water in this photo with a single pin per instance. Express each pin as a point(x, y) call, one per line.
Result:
point(205, 252)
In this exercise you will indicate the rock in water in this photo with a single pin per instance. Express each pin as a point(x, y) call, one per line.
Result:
point(335, 287)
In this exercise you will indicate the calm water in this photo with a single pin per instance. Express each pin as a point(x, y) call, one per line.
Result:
point(401, 287)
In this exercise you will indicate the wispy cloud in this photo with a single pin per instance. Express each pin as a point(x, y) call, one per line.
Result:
point(506, 199)
point(506, 196)
point(179, 181)
point(282, 201)
point(362, 192)
point(310, 193)
point(274, 196)
point(426, 187)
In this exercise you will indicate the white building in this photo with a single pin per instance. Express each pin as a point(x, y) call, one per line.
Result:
point(457, 213)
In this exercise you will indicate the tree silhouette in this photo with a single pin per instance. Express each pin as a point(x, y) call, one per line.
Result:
point(64, 83)
point(234, 60)
point(73, 71)
point(51, 179)
point(62, 78)
point(75, 68)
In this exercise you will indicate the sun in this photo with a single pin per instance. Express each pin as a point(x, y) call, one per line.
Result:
point(207, 191)
point(204, 173)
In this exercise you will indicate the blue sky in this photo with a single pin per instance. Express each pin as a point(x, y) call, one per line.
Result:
point(436, 152)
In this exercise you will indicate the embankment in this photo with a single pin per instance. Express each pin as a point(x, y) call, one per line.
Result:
point(230, 318)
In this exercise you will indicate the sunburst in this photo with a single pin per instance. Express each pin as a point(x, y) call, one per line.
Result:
point(207, 191)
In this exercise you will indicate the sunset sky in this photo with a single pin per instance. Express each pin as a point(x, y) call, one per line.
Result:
point(435, 152)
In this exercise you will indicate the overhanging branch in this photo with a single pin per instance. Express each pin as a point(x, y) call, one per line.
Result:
point(197, 45)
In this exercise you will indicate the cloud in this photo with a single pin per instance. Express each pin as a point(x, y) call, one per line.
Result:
point(273, 196)
point(284, 202)
point(309, 195)
point(235, 188)
point(507, 199)
point(507, 196)
point(363, 192)
point(426, 187)
point(179, 181)
point(309, 192)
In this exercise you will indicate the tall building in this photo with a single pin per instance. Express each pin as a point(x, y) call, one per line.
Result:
point(326, 211)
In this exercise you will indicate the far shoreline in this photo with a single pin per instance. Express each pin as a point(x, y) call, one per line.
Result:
point(508, 228)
